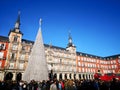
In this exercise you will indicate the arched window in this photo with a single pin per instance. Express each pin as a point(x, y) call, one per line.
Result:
point(15, 38)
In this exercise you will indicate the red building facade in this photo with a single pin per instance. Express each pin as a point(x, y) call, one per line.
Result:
point(3, 51)
point(90, 64)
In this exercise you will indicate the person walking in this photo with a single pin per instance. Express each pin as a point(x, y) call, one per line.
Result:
point(53, 86)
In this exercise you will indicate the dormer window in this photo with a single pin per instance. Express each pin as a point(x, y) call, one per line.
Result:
point(118, 56)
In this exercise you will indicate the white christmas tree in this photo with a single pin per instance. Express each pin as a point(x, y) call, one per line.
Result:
point(37, 66)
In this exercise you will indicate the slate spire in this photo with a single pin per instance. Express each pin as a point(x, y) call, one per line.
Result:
point(17, 24)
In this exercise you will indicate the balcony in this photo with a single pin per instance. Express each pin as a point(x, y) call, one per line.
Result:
point(3, 58)
point(13, 59)
point(15, 42)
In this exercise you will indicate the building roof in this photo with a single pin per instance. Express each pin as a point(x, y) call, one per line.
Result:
point(95, 56)
point(46, 45)
point(112, 57)
point(4, 39)
point(89, 55)
point(27, 41)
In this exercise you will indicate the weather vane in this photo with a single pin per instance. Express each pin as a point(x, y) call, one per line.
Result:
point(40, 22)
point(19, 12)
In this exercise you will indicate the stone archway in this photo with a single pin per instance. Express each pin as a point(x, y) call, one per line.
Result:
point(60, 76)
point(65, 76)
point(55, 76)
point(99, 71)
point(79, 76)
point(19, 76)
point(49, 75)
point(83, 76)
point(89, 76)
point(74, 76)
point(8, 76)
point(70, 76)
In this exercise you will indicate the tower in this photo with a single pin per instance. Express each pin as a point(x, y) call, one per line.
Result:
point(15, 36)
point(70, 46)
point(72, 51)
point(37, 65)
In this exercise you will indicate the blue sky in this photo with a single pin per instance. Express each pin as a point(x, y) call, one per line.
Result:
point(94, 24)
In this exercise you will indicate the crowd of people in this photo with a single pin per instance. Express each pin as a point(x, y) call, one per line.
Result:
point(67, 84)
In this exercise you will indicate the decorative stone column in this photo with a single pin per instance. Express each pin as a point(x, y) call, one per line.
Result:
point(14, 76)
point(77, 76)
point(58, 76)
point(72, 75)
point(68, 77)
point(85, 76)
point(81, 76)
point(63, 76)
point(1, 76)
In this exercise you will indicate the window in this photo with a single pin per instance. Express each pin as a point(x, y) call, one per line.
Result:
point(88, 70)
point(83, 64)
point(118, 56)
point(11, 66)
point(118, 60)
point(78, 63)
point(23, 47)
point(14, 47)
point(1, 55)
point(74, 63)
point(60, 61)
point(0, 64)
point(88, 65)
point(21, 66)
point(112, 66)
point(98, 66)
point(82, 58)
point(82, 69)
point(15, 38)
point(28, 49)
point(2, 46)
point(22, 57)
point(12, 55)
point(79, 69)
